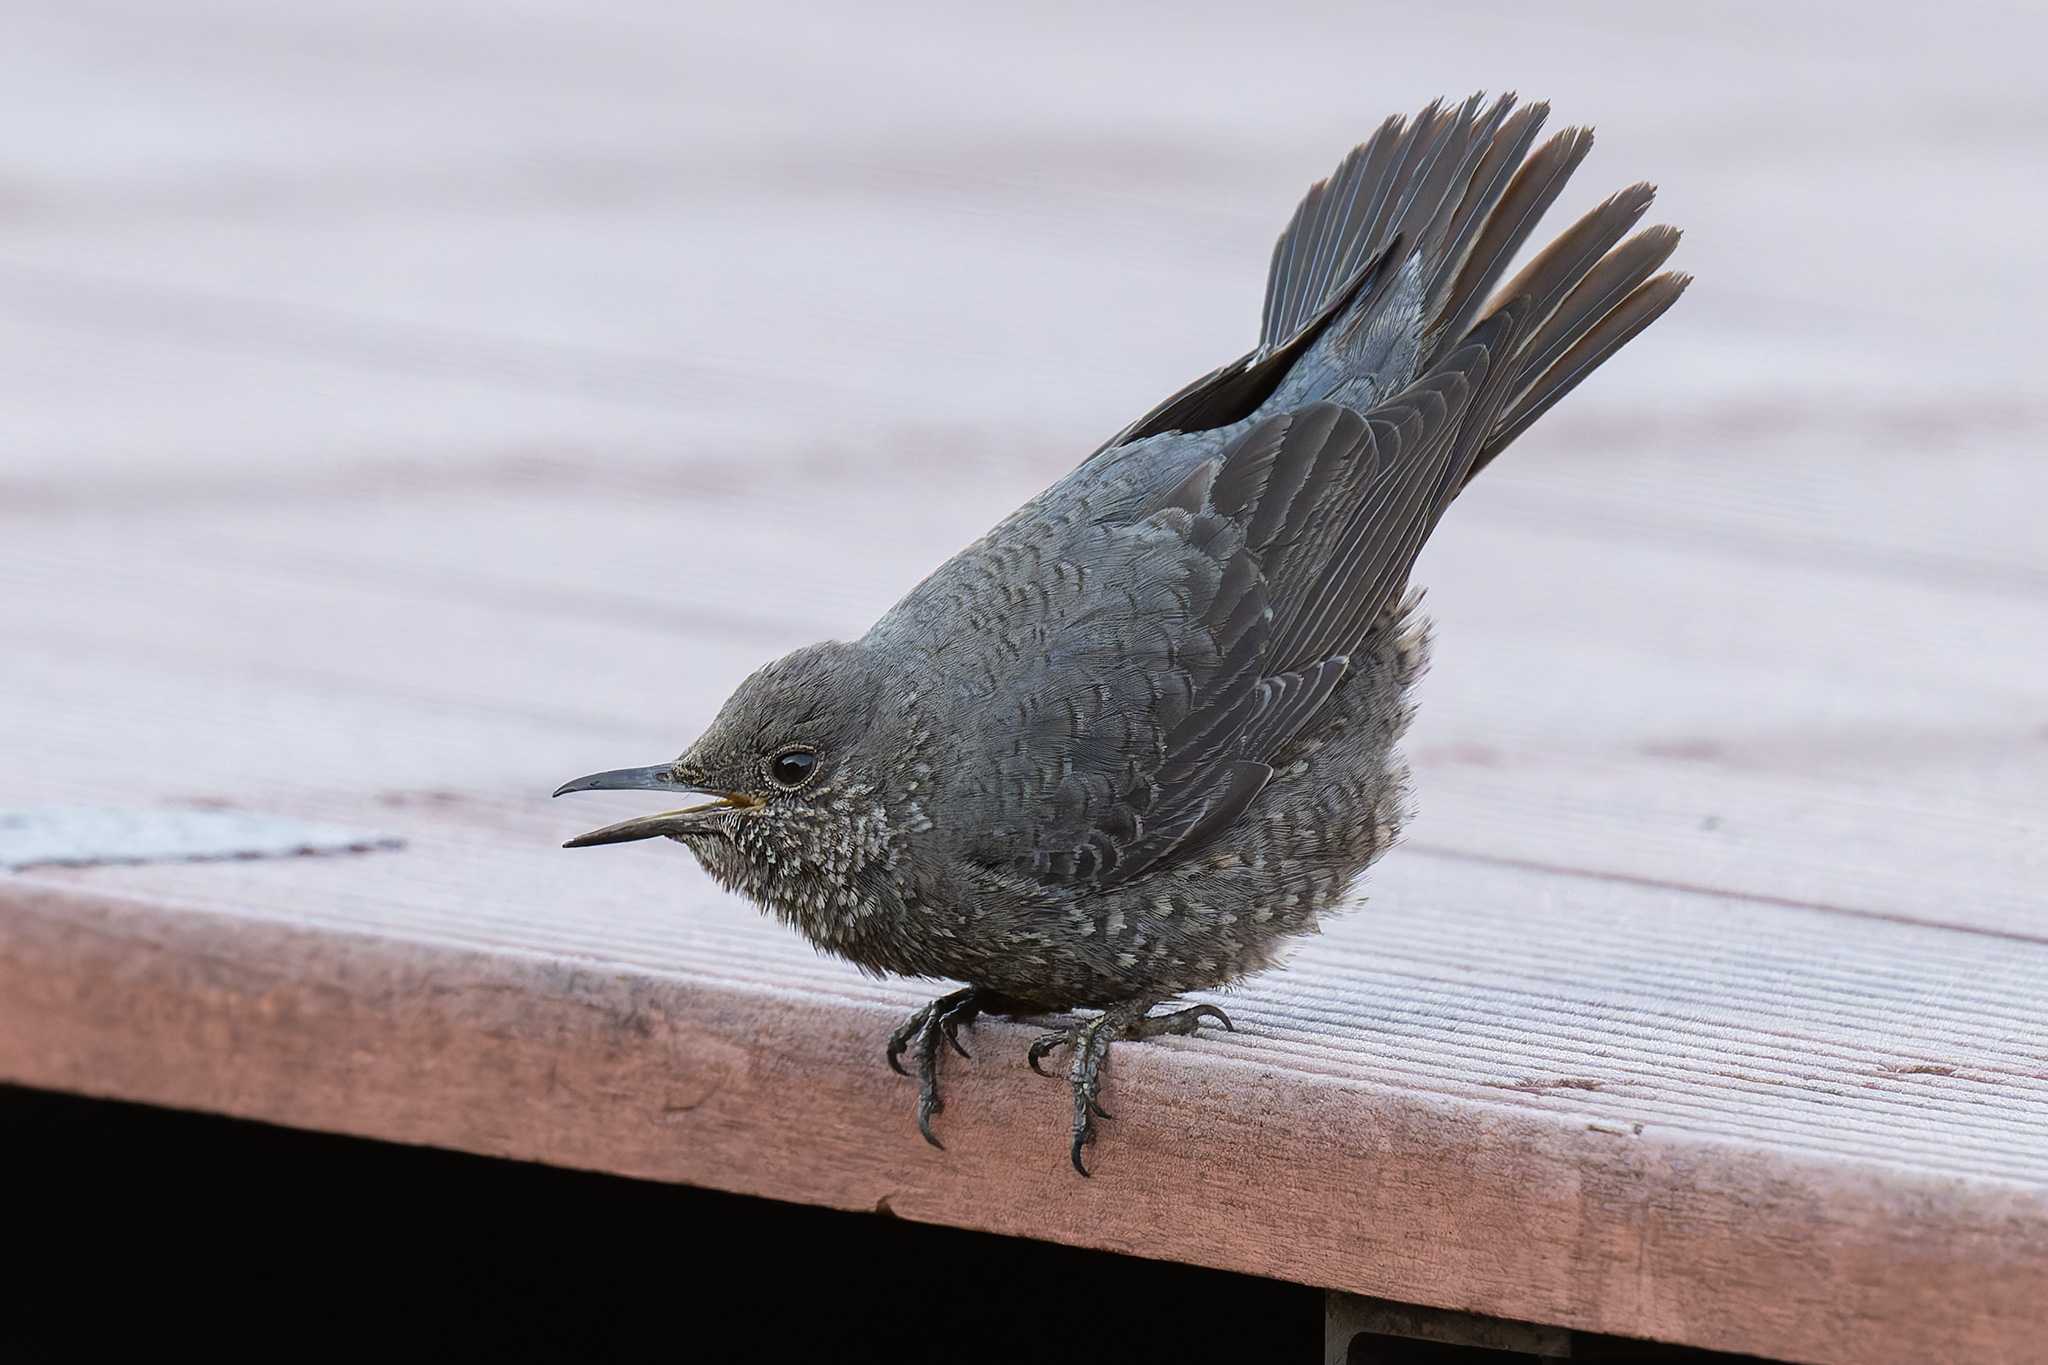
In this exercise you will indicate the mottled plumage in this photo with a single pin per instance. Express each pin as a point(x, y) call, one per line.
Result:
point(1142, 732)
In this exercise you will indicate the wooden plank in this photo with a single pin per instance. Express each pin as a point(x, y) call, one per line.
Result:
point(1704, 1012)
point(1314, 1145)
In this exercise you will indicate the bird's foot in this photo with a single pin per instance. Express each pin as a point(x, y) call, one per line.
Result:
point(1090, 1042)
point(942, 1018)
point(1180, 1023)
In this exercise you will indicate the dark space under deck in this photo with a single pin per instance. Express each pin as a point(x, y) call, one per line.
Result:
point(157, 1232)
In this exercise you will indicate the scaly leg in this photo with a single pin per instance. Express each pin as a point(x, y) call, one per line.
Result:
point(942, 1018)
point(1090, 1041)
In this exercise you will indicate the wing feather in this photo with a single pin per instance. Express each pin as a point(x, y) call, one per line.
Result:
point(1245, 589)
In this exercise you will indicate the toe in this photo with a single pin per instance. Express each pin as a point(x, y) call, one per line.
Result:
point(952, 1032)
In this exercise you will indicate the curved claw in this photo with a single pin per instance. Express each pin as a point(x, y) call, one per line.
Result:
point(924, 1123)
point(1081, 1136)
point(899, 1041)
point(1211, 1012)
point(952, 1032)
point(1044, 1046)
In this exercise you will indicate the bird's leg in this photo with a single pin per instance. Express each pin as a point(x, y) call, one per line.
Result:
point(1090, 1041)
point(942, 1018)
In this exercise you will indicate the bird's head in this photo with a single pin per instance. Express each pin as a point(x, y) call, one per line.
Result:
point(806, 779)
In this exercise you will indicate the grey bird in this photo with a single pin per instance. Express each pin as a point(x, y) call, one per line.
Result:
point(1142, 733)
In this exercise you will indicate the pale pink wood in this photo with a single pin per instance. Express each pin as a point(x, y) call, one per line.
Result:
point(751, 1085)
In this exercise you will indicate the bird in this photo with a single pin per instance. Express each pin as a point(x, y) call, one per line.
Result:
point(1143, 733)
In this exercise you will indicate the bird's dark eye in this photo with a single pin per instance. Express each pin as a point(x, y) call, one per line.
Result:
point(792, 767)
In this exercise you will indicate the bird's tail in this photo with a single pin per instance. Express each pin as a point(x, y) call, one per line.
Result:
point(1390, 262)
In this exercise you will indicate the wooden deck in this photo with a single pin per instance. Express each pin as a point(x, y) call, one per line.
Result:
point(399, 416)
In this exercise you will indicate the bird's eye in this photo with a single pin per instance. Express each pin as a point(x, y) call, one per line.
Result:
point(792, 768)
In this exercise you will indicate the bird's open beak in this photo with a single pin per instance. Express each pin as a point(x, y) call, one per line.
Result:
point(661, 778)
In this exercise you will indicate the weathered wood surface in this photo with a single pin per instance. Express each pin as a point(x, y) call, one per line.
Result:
point(402, 411)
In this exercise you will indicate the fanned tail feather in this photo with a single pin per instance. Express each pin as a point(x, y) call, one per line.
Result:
point(1458, 190)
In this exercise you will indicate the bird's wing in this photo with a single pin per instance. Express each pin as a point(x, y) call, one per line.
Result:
point(1162, 660)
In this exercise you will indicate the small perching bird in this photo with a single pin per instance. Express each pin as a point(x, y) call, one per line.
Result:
point(1132, 740)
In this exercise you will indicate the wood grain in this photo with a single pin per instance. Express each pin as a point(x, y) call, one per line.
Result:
point(1307, 1158)
point(416, 409)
